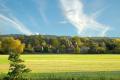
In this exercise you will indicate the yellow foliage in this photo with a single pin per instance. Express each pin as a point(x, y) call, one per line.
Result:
point(0, 44)
point(117, 40)
point(10, 43)
point(20, 48)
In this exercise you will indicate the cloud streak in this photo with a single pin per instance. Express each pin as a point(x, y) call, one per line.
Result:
point(11, 20)
point(41, 6)
point(63, 22)
point(15, 23)
point(86, 25)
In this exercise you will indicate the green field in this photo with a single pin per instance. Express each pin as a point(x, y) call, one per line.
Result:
point(66, 63)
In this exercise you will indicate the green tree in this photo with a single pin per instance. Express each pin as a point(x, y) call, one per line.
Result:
point(0, 46)
point(29, 48)
point(110, 45)
point(100, 50)
point(93, 47)
point(116, 42)
point(62, 48)
point(54, 42)
point(17, 68)
point(97, 47)
point(65, 44)
point(55, 45)
point(76, 41)
point(77, 49)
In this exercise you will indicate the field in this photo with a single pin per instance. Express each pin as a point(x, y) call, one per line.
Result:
point(66, 63)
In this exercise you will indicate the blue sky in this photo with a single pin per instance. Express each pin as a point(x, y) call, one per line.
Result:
point(60, 17)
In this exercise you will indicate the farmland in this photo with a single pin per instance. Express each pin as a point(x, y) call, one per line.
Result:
point(66, 63)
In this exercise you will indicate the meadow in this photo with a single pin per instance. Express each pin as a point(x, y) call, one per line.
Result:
point(68, 64)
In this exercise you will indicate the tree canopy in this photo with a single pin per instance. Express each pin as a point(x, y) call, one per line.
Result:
point(59, 44)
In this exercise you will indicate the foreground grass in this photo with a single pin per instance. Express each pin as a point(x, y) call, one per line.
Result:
point(66, 63)
point(72, 76)
point(68, 67)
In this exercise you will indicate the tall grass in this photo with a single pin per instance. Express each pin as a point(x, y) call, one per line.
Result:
point(72, 76)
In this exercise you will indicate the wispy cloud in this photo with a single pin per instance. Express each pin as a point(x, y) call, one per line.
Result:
point(41, 6)
point(86, 25)
point(3, 7)
point(11, 20)
point(98, 13)
point(63, 22)
point(45, 19)
point(33, 21)
point(15, 23)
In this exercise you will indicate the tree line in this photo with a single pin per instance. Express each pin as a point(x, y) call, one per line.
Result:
point(41, 44)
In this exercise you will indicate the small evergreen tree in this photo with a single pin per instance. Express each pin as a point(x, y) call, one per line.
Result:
point(17, 68)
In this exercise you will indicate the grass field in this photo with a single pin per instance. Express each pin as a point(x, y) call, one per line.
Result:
point(71, 76)
point(66, 63)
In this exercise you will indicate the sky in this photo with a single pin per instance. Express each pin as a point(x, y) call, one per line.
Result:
point(89, 18)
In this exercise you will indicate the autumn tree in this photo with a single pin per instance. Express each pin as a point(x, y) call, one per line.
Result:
point(116, 42)
point(14, 48)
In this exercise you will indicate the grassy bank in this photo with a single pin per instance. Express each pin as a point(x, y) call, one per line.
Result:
point(73, 76)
